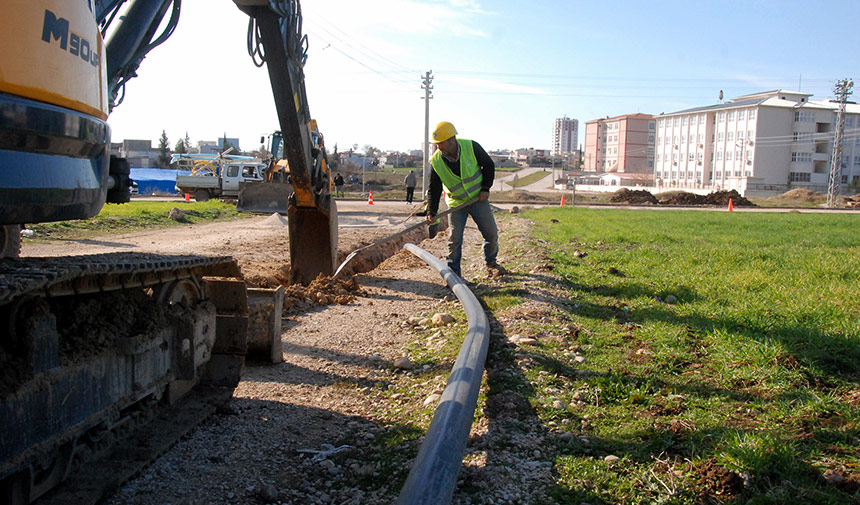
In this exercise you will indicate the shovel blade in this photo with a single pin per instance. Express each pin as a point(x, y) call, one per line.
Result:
point(264, 197)
point(313, 241)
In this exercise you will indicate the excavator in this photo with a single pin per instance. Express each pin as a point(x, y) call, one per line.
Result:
point(94, 347)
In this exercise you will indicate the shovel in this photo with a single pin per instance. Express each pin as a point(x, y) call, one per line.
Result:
point(383, 240)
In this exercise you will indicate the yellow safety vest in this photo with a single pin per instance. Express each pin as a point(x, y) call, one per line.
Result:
point(460, 189)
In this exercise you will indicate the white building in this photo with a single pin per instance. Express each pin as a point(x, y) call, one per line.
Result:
point(565, 134)
point(766, 142)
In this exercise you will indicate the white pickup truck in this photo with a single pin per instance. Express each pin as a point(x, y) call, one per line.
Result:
point(224, 184)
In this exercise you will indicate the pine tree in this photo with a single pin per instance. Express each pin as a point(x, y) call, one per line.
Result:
point(163, 151)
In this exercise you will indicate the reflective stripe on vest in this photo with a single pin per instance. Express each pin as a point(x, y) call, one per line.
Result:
point(465, 187)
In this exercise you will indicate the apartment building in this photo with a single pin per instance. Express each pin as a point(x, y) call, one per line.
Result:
point(768, 142)
point(565, 135)
point(623, 144)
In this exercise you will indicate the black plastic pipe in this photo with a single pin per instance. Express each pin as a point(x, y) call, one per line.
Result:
point(434, 474)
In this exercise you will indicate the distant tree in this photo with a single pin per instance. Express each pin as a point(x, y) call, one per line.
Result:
point(163, 151)
point(371, 152)
point(187, 142)
point(180, 147)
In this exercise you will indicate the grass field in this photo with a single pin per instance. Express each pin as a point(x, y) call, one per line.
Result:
point(137, 215)
point(723, 356)
point(528, 179)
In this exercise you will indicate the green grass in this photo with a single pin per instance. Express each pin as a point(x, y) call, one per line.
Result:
point(528, 179)
point(137, 215)
point(752, 370)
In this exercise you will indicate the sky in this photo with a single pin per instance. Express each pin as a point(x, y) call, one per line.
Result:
point(503, 71)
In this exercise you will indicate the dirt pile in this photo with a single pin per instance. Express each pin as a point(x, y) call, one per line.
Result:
point(801, 194)
point(715, 198)
point(638, 196)
point(323, 290)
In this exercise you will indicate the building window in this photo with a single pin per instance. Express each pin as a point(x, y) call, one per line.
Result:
point(691, 157)
point(738, 156)
point(676, 121)
point(750, 135)
point(728, 156)
point(699, 138)
point(699, 156)
point(804, 116)
point(661, 123)
point(740, 115)
point(720, 137)
point(799, 176)
point(651, 125)
point(752, 114)
point(857, 160)
point(731, 115)
point(683, 139)
point(650, 138)
point(730, 136)
point(722, 116)
point(702, 119)
point(684, 121)
point(658, 157)
point(806, 157)
point(719, 155)
point(741, 135)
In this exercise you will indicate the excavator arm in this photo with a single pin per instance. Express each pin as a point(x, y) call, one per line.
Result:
point(275, 38)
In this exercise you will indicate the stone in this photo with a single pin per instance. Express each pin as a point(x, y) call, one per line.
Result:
point(671, 299)
point(433, 398)
point(559, 404)
point(515, 338)
point(403, 363)
point(527, 341)
point(515, 210)
point(267, 492)
point(611, 458)
point(580, 359)
point(442, 319)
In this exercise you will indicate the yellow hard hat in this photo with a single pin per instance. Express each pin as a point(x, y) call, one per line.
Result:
point(443, 132)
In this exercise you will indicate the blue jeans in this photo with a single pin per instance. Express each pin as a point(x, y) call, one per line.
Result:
point(482, 214)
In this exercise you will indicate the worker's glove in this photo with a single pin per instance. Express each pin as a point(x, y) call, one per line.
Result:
point(433, 229)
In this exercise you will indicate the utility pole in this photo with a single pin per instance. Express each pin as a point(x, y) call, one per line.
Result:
point(842, 90)
point(425, 167)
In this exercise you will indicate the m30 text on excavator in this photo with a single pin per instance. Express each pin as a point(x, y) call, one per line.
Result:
point(58, 29)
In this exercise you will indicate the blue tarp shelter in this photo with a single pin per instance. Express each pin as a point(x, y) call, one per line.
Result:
point(156, 181)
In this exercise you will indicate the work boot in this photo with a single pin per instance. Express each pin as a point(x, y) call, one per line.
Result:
point(496, 270)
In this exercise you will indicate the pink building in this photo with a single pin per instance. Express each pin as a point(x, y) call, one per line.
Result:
point(623, 144)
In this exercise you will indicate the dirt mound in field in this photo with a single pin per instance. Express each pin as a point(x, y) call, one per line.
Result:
point(801, 194)
point(639, 196)
point(715, 198)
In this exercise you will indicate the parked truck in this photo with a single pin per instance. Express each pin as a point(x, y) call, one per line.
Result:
point(223, 182)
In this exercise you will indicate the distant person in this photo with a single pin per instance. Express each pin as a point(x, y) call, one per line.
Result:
point(466, 171)
point(338, 186)
point(410, 181)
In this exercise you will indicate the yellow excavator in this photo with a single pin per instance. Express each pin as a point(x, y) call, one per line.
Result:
point(90, 345)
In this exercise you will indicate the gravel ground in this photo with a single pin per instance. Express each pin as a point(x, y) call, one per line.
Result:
point(330, 391)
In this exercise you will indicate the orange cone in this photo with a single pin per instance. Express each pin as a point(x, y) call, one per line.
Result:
point(562, 199)
point(187, 197)
point(370, 198)
point(730, 205)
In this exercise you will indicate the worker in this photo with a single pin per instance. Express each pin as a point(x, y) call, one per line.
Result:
point(338, 186)
point(466, 171)
point(410, 181)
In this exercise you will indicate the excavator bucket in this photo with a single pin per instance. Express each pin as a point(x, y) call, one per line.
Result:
point(313, 240)
point(265, 197)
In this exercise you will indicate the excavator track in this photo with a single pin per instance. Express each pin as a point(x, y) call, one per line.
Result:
point(106, 360)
